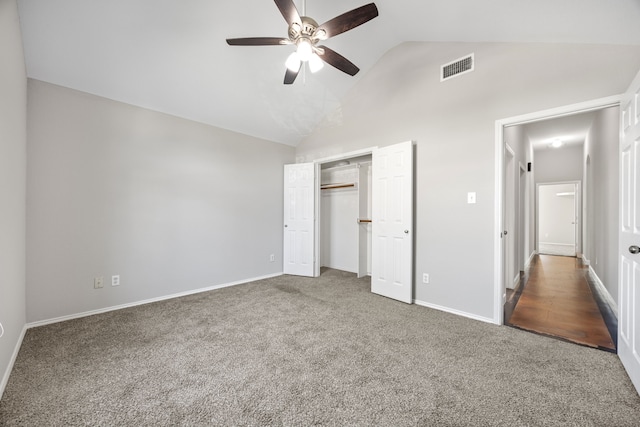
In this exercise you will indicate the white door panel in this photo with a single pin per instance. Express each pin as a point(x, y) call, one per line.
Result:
point(299, 199)
point(629, 237)
point(392, 222)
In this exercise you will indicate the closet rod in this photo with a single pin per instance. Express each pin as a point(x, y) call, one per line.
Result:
point(332, 186)
point(363, 220)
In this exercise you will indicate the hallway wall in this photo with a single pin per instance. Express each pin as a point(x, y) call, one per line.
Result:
point(601, 146)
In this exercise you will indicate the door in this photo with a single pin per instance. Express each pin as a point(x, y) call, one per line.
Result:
point(629, 235)
point(557, 218)
point(392, 222)
point(299, 202)
point(508, 233)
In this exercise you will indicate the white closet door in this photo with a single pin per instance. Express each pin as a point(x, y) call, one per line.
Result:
point(299, 202)
point(392, 227)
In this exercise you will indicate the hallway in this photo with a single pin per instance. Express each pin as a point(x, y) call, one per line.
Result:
point(557, 301)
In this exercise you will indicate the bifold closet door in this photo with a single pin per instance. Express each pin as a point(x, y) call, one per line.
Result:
point(392, 226)
point(299, 211)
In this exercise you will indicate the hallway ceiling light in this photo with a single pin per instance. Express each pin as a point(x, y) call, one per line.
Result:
point(556, 143)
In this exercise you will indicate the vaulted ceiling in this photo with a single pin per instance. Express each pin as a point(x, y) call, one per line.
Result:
point(171, 55)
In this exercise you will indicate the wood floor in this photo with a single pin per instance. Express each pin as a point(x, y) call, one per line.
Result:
point(558, 301)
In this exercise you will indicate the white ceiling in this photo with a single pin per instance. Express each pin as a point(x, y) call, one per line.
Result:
point(171, 55)
point(572, 130)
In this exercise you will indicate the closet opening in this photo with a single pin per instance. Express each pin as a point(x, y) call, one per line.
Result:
point(344, 205)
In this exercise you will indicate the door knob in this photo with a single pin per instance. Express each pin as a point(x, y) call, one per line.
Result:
point(285, 226)
point(634, 249)
point(406, 231)
point(505, 232)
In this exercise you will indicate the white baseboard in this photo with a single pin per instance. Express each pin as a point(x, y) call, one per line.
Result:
point(456, 312)
point(14, 356)
point(528, 263)
point(585, 261)
point(147, 301)
point(604, 292)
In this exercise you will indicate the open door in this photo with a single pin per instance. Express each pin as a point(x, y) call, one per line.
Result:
point(629, 235)
point(299, 202)
point(392, 222)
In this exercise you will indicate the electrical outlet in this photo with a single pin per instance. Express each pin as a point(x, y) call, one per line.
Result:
point(115, 280)
point(425, 278)
point(471, 198)
point(98, 282)
point(272, 257)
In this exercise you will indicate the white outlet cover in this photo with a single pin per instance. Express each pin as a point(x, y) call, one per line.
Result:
point(471, 197)
point(115, 280)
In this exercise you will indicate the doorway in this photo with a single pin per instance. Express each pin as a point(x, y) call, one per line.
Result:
point(557, 207)
point(524, 153)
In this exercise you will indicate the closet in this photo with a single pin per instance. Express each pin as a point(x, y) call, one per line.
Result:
point(345, 206)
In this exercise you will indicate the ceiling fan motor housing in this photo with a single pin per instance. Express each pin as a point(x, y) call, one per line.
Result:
point(307, 30)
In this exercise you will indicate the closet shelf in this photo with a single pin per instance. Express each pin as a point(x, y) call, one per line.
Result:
point(334, 186)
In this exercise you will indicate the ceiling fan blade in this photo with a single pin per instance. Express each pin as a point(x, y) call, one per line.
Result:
point(289, 11)
point(349, 20)
point(334, 59)
point(290, 76)
point(257, 41)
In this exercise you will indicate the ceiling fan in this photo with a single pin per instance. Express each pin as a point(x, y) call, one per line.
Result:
point(305, 34)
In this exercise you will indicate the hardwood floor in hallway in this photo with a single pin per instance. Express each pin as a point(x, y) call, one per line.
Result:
point(557, 301)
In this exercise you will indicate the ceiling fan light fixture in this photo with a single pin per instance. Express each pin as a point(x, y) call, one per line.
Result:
point(315, 63)
point(293, 62)
point(321, 34)
point(305, 51)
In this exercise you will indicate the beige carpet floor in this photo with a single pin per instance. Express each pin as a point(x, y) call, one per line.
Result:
point(293, 351)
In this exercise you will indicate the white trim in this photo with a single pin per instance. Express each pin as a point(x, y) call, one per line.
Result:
point(567, 110)
point(148, 301)
point(604, 292)
point(345, 156)
point(585, 261)
point(12, 361)
point(452, 311)
point(528, 263)
point(556, 244)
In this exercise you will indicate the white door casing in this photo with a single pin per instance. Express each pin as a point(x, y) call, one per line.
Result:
point(299, 210)
point(629, 234)
point(392, 222)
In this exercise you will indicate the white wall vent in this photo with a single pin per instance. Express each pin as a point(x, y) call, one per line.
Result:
point(455, 68)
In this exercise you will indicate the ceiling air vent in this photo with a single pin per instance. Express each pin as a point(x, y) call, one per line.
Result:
point(456, 68)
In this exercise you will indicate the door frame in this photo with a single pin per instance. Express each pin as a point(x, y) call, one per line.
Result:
point(318, 201)
point(499, 178)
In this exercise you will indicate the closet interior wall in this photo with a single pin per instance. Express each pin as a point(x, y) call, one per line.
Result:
point(345, 227)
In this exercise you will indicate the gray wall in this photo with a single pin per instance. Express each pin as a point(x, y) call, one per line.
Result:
point(453, 124)
point(515, 137)
point(602, 224)
point(168, 204)
point(558, 164)
point(13, 140)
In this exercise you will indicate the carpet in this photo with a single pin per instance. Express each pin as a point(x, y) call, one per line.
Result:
point(292, 351)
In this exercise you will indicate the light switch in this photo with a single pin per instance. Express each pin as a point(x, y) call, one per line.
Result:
point(471, 198)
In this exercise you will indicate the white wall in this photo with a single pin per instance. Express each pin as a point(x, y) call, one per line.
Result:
point(13, 140)
point(168, 204)
point(601, 146)
point(453, 124)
